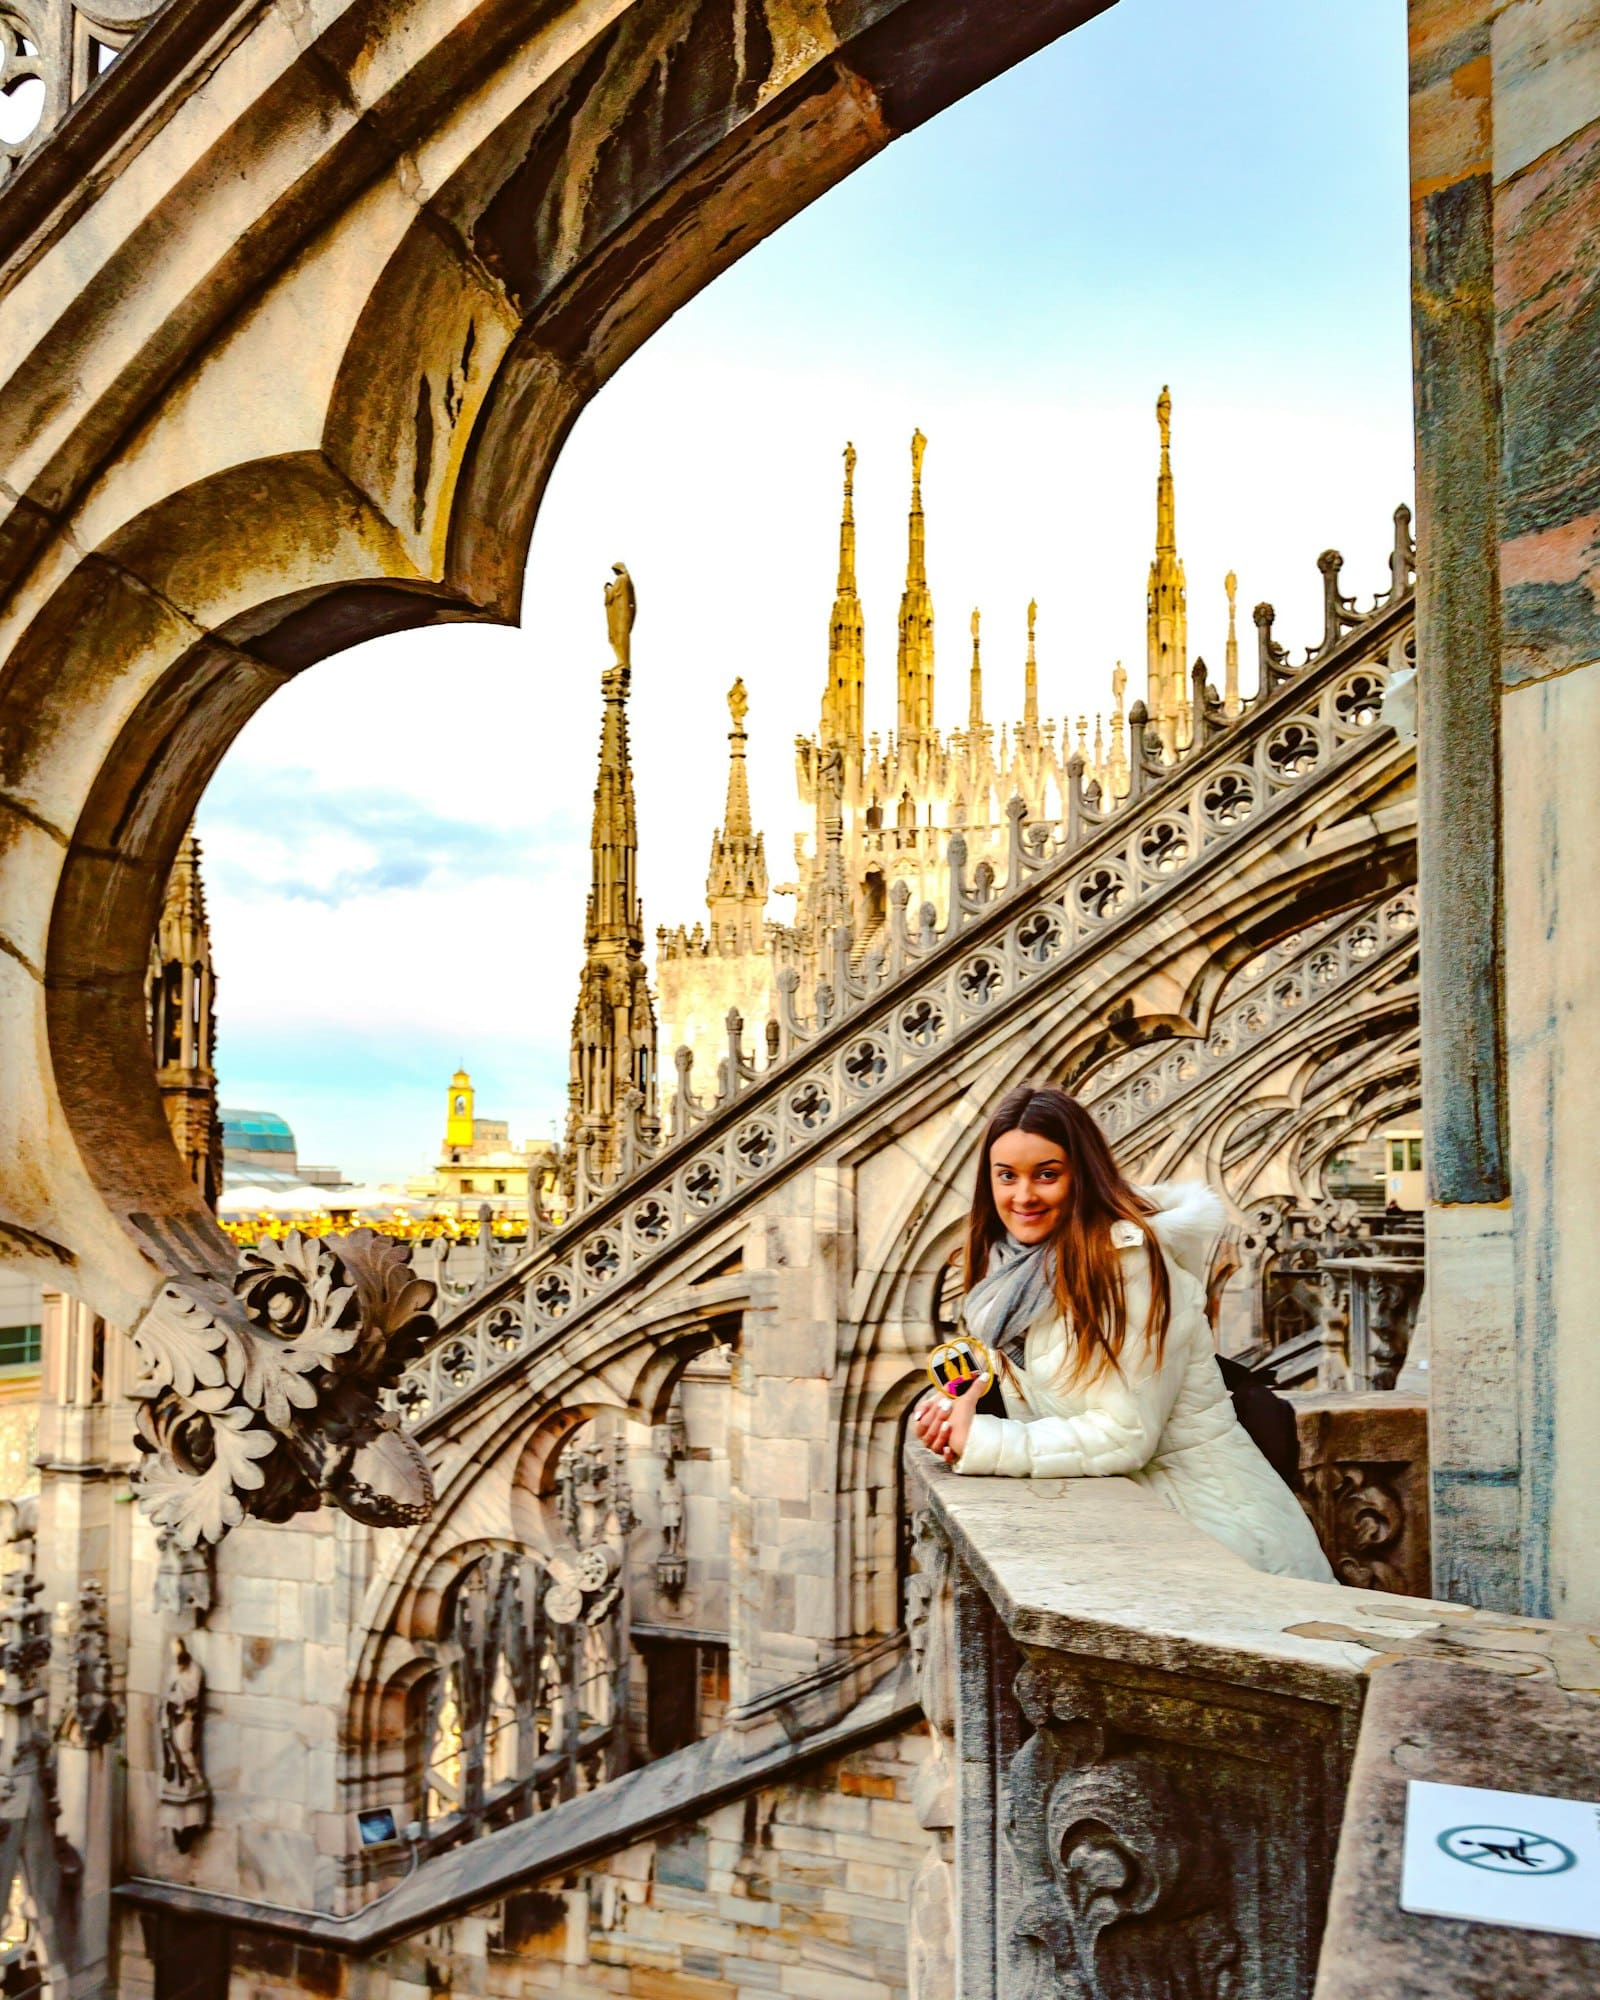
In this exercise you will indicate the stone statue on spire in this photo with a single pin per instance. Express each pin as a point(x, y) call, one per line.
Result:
point(621, 608)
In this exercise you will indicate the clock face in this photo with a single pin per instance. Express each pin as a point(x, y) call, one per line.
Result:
point(461, 1105)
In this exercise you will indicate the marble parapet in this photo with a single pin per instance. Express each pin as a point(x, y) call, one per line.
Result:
point(1146, 1751)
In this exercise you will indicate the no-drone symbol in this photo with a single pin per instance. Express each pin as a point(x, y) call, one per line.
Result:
point(1507, 1850)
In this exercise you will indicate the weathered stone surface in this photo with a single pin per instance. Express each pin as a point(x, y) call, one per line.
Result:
point(1453, 1725)
point(1364, 1482)
point(678, 1790)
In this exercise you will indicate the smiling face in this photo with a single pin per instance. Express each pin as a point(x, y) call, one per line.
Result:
point(1031, 1185)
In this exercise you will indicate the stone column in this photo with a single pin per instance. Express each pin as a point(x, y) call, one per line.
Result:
point(1474, 1445)
point(784, 1539)
point(1506, 217)
point(83, 1540)
point(1546, 166)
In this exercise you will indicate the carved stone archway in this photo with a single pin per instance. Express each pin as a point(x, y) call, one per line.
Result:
point(295, 375)
point(297, 311)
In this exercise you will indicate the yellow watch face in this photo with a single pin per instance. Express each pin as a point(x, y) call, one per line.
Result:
point(958, 1364)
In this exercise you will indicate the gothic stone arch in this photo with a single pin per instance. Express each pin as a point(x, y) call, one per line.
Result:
point(294, 374)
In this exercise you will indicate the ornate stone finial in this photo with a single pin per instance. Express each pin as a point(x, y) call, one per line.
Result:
point(94, 1716)
point(621, 608)
point(33, 1844)
point(1166, 610)
point(180, 992)
point(738, 704)
point(613, 1038)
point(1230, 666)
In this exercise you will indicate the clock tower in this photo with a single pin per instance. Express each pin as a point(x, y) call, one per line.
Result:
point(458, 1112)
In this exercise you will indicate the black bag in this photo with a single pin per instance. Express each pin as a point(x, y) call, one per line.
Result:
point(1267, 1417)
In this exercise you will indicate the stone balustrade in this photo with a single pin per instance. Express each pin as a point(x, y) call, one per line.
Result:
point(1140, 1787)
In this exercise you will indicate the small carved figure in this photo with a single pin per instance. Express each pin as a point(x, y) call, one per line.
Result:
point(671, 1513)
point(185, 1795)
point(183, 1588)
point(621, 607)
point(94, 1715)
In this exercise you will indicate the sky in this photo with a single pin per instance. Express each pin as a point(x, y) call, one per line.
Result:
point(1213, 198)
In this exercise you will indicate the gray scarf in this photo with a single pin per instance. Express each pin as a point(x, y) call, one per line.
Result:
point(1017, 1288)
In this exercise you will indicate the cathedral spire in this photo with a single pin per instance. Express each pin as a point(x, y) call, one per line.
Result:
point(844, 703)
point(1166, 510)
point(1166, 620)
point(1118, 763)
point(915, 662)
point(736, 882)
point(736, 813)
point(1230, 683)
point(180, 994)
point(1030, 675)
point(613, 918)
point(613, 1049)
point(975, 686)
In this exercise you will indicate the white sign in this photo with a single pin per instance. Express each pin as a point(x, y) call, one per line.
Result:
point(1511, 1858)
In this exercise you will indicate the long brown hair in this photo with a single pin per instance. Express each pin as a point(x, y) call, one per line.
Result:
point(1088, 1269)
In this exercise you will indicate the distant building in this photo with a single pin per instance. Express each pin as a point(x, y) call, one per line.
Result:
point(258, 1150)
point(478, 1163)
point(21, 1321)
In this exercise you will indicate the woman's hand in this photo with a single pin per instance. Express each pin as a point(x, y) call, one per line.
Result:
point(944, 1423)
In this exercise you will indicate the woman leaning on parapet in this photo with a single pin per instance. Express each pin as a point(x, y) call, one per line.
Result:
point(1090, 1294)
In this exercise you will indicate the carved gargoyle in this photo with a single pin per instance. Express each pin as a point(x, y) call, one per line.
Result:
point(262, 1399)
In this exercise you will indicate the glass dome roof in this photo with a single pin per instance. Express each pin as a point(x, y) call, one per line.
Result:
point(256, 1132)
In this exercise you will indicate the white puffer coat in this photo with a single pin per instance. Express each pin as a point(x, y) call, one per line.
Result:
point(1171, 1427)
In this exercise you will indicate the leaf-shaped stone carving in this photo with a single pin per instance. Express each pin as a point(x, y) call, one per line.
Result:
point(201, 1505)
point(180, 1340)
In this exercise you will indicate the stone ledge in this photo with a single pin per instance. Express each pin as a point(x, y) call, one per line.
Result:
point(1458, 1725)
point(1102, 1569)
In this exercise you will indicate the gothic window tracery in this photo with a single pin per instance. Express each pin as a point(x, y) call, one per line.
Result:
point(444, 1794)
point(523, 1705)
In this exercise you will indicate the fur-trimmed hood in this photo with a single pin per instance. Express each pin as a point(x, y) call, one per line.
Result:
point(1188, 1220)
